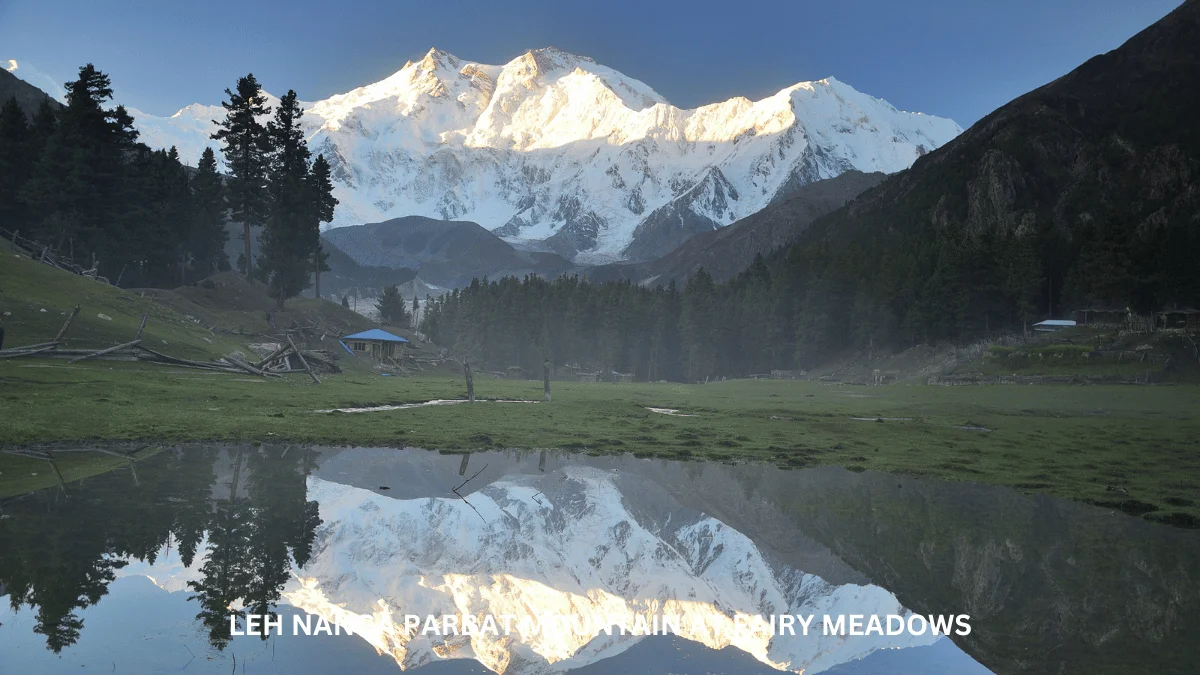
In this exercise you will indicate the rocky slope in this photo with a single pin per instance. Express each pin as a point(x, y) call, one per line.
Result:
point(726, 251)
point(556, 149)
point(445, 253)
point(28, 96)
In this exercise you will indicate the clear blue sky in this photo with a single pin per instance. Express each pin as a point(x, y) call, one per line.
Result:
point(959, 59)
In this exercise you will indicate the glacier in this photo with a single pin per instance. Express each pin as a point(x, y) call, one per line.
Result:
point(553, 151)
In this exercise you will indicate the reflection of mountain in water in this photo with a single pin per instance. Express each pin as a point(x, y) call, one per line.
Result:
point(566, 543)
point(1051, 586)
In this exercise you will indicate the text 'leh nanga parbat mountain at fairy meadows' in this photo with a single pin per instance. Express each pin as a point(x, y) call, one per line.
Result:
point(557, 152)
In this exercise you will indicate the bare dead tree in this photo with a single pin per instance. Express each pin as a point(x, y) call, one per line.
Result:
point(459, 495)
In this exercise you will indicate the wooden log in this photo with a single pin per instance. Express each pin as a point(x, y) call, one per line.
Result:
point(141, 328)
point(470, 382)
point(63, 331)
point(102, 352)
point(303, 362)
point(245, 366)
point(217, 369)
point(23, 348)
point(171, 360)
point(546, 380)
point(31, 454)
point(31, 352)
point(271, 359)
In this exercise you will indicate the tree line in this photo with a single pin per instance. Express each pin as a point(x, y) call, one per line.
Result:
point(823, 298)
point(76, 178)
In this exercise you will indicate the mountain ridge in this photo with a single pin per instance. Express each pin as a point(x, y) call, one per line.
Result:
point(554, 149)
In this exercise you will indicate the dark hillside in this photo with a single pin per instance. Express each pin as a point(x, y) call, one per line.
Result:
point(1084, 192)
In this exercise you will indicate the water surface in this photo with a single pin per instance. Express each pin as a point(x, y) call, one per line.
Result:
point(138, 569)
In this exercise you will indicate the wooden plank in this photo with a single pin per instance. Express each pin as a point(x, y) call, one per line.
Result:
point(102, 352)
point(141, 328)
point(303, 362)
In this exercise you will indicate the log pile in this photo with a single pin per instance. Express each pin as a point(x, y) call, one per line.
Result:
point(274, 365)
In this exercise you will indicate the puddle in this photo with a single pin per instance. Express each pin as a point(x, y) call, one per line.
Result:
point(133, 568)
point(426, 404)
point(970, 427)
point(669, 411)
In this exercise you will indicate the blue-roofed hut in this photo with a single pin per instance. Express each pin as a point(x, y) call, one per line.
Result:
point(376, 343)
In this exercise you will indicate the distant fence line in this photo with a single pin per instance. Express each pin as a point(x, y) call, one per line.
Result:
point(45, 254)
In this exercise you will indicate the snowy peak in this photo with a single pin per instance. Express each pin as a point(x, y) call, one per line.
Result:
point(570, 543)
point(555, 150)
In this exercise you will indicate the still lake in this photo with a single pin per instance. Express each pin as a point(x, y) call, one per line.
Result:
point(138, 567)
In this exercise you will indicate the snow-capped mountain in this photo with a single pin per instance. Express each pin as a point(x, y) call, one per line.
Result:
point(572, 544)
point(554, 150)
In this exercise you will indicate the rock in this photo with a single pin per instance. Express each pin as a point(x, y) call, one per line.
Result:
point(103, 317)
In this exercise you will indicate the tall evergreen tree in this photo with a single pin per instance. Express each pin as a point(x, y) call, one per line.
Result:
point(246, 146)
point(16, 163)
point(42, 127)
point(291, 236)
point(207, 236)
point(322, 203)
point(77, 190)
point(391, 307)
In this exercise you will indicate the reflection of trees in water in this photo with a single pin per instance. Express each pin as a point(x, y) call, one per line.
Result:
point(253, 536)
point(59, 549)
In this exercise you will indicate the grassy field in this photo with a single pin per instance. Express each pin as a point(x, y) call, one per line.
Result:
point(1132, 448)
point(35, 300)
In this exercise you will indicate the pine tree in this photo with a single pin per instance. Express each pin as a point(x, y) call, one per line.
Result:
point(16, 163)
point(159, 218)
point(346, 301)
point(322, 202)
point(391, 307)
point(42, 127)
point(245, 144)
point(416, 311)
point(291, 236)
point(207, 237)
point(79, 192)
